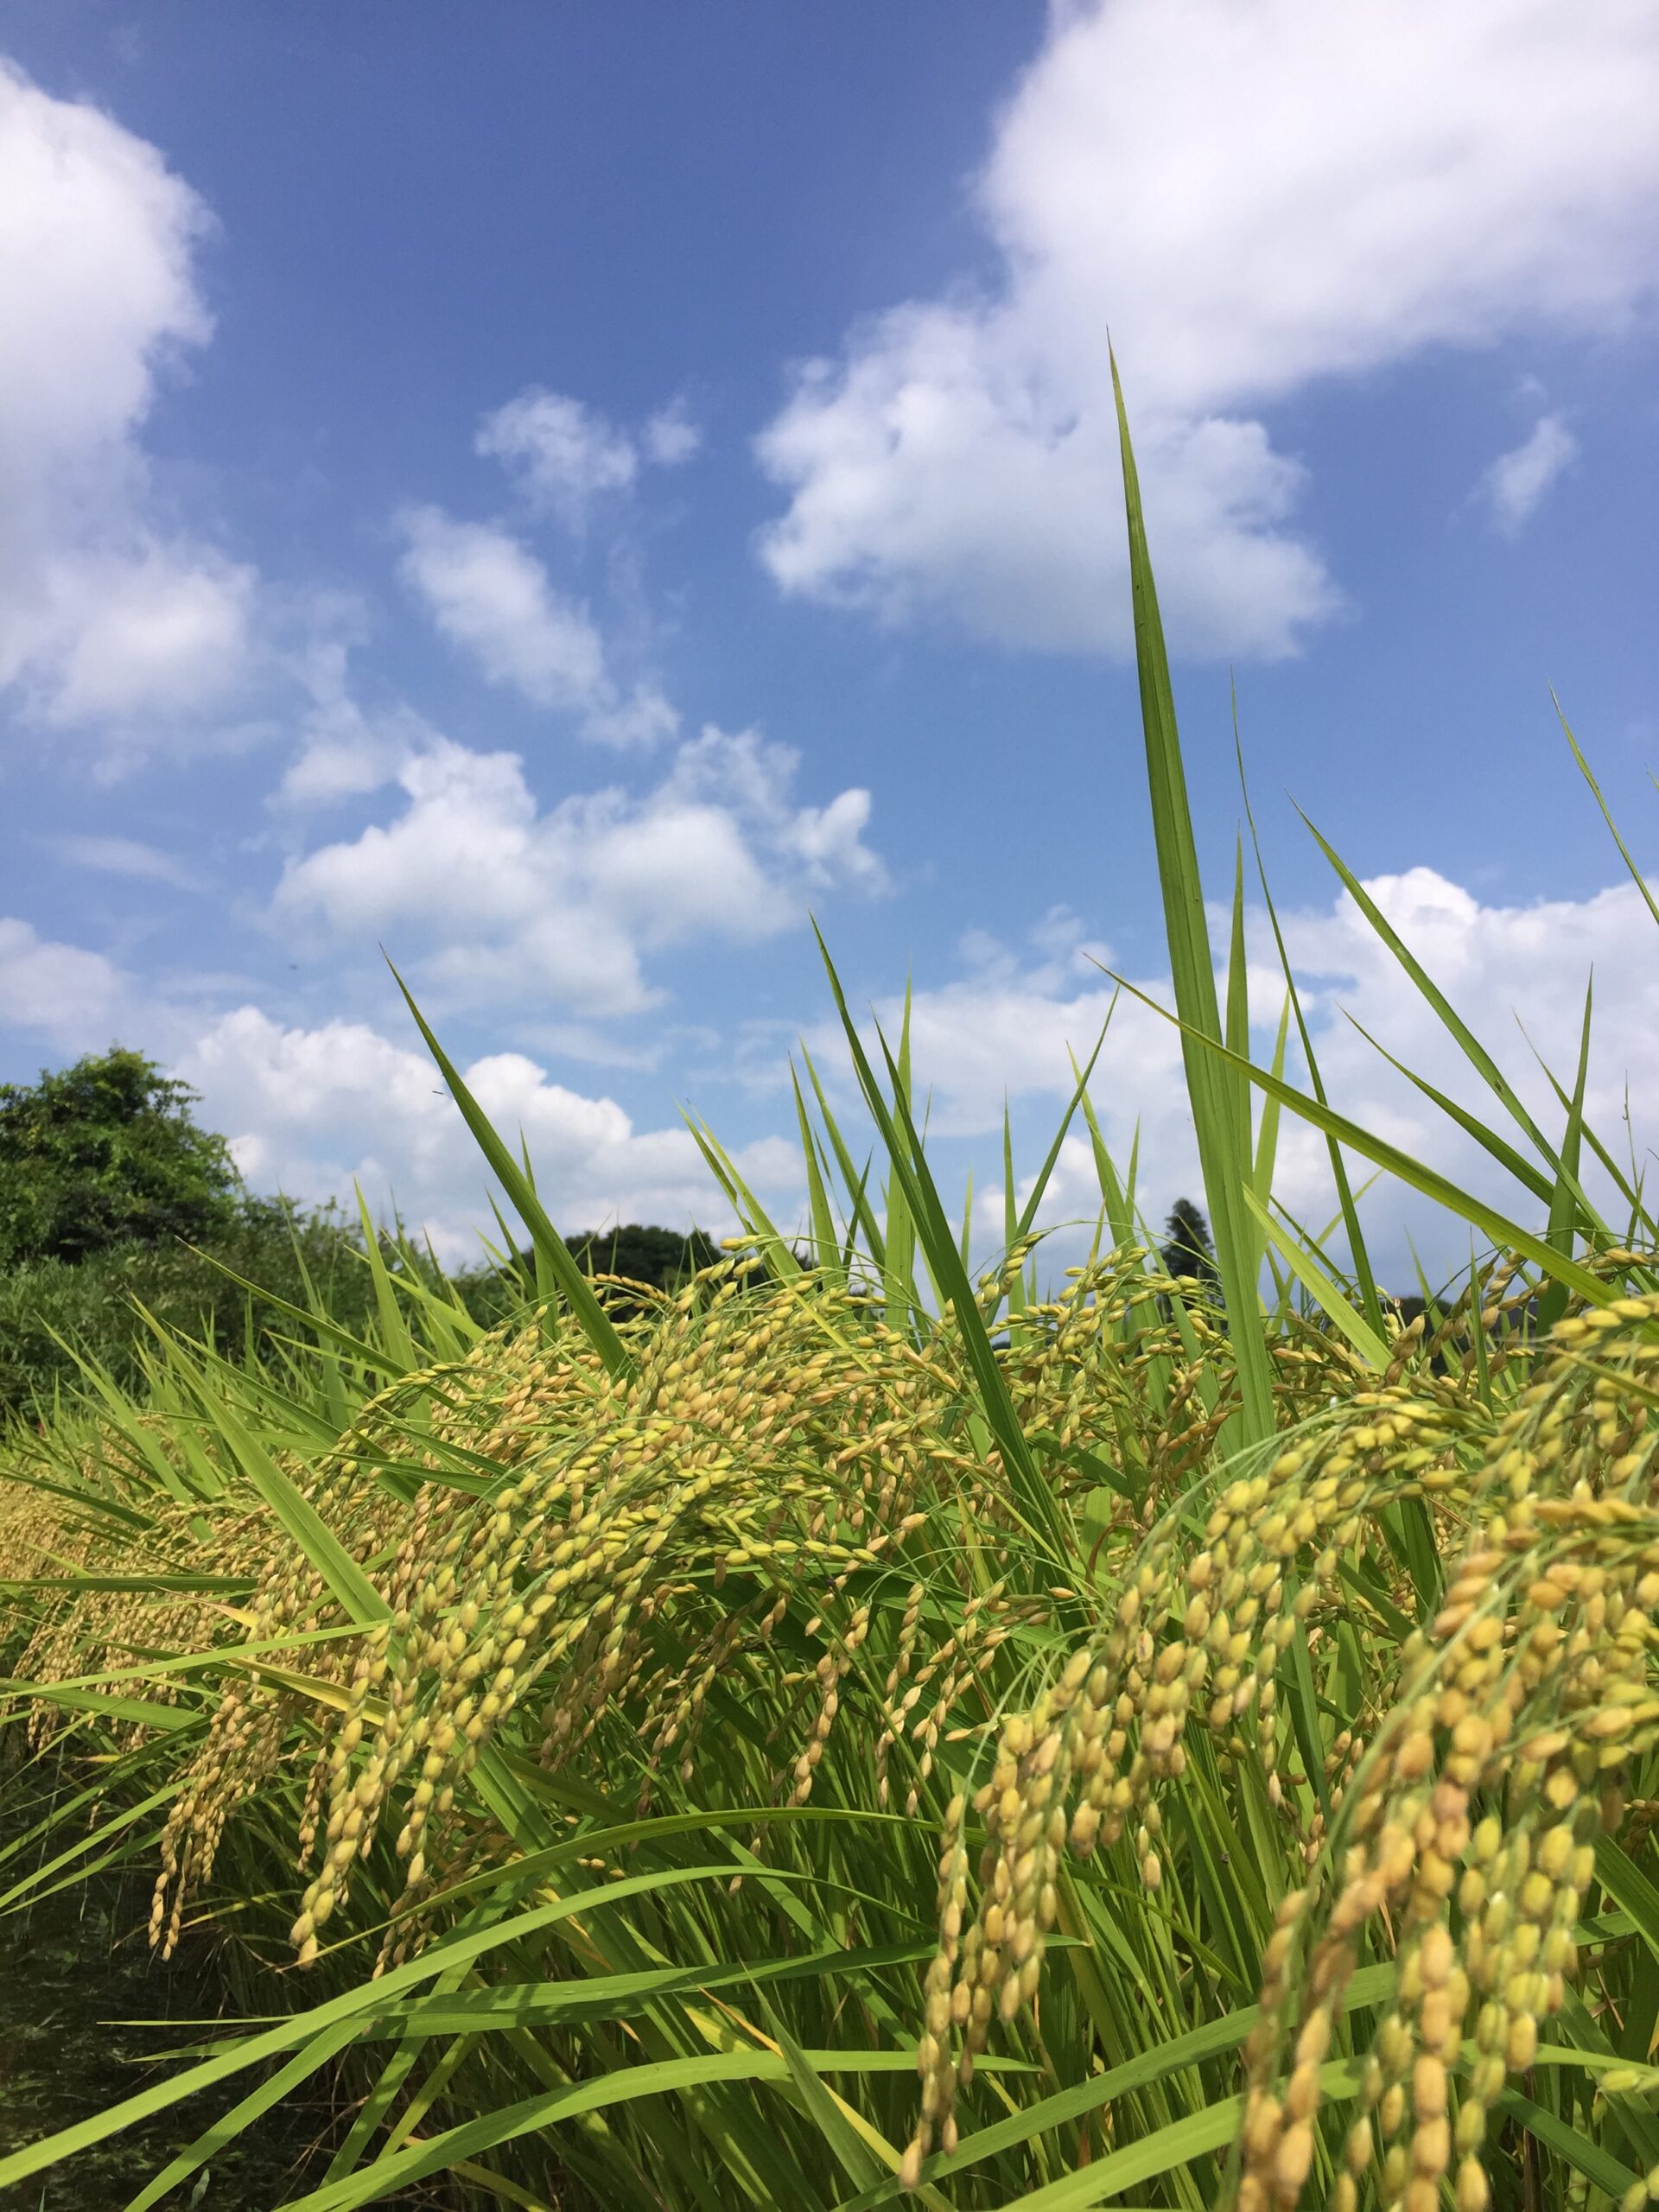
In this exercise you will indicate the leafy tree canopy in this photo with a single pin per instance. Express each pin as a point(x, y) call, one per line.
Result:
point(663, 1258)
point(105, 1154)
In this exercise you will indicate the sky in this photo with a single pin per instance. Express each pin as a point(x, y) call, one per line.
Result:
point(563, 498)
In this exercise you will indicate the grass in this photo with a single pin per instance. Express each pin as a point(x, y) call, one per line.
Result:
point(851, 1728)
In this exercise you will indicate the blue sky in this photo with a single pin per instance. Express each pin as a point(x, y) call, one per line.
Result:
point(566, 493)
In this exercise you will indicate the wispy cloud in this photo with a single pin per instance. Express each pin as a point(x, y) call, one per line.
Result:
point(488, 594)
point(126, 856)
point(1517, 480)
point(568, 456)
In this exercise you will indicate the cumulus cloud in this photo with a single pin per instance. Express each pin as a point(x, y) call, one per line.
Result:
point(513, 902)
point(489, 596)
point(345, 749)
point(1257, 196)
point(312, 1111)
point(62, 991)
point(313, 1108)
point(566, 456)
point(1517, 480)
point(564, 452)
point(1519, 973)
point(107, 615)
point(1008, 1025)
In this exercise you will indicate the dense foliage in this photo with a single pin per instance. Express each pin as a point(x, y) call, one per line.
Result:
point(830, 1732)
point(55, 1313)
point(102, 1154)
point(120, 1216)
point(662, 1258)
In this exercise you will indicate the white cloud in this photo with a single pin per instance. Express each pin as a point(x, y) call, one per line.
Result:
point(127, 856)
point(345, 750)
point(489, 596)
point(311, 1111)
point(1517, 480)
point(343, 763)
point(669, 436)
point(1004, 1027)
point(510, 903)
point(155, 630)
point(1509, 970)
point(106, 616)
point(1257, 193)
point(565, 453)
point(568, 456)
point(69, 994)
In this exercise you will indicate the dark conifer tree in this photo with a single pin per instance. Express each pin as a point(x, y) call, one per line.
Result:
point(1187, 1252)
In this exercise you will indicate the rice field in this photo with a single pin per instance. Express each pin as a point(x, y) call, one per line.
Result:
point(861, 1729)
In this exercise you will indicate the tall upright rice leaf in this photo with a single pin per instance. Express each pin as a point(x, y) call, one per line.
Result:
point(1552, 1304)
point(393, 1327)
point(1115, 1203)
point(1132, 1171)
point(1348, 1208)
point(863, 1213)
point(547, 1280)
point(908, 1168)
point(1219, 1099)
point(1266, 1136)
point(551, 1248)
point(1627, 1183)
point(1428, 1180)
point(1027, 1213)
point(899, 1261)
point(1637, 876)
point(1010, 1211)
point(825, 1242)
point(756, 1223)
point(1478, 1057)
point(860, 1205)
point(1239, 979)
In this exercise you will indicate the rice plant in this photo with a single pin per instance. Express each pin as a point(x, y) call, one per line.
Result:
point(856, 1727)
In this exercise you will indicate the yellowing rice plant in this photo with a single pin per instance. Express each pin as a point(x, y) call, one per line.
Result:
point(855, 1729)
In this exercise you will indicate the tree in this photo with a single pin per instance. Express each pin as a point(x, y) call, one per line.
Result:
point(665, 1258)
point(1188, 1253)
point(106, 1153)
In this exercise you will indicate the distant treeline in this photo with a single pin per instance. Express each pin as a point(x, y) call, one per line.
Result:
point(116, 1203)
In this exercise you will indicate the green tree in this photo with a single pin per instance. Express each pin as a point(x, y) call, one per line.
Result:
point(664, 1258)
point(1188, 1254)
point(106, 1153)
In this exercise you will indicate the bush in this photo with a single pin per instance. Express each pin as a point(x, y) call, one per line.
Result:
point(52, 1308)
point(56, 1312)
